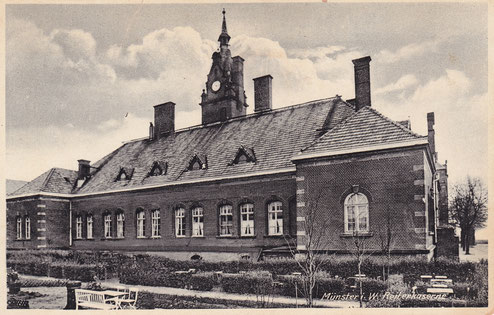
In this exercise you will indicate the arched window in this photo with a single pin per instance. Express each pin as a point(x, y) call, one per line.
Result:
point(275, 218)
point(356, 213)
point(197, 222)
point(247, 219)
point(19, 228)
point(78, 227)
point(120, 224)
point(141, 223)
point(155, 223)
point(27, 222)
point(89, 222)
point(108, 225)
point(180, 222)
point(226, 220)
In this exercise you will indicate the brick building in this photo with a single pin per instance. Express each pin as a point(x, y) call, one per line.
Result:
point(242, 185)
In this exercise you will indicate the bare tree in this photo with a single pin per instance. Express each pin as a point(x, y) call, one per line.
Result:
point(468, 208)
point(385, 234)
point(361, 254)
point(307, 254)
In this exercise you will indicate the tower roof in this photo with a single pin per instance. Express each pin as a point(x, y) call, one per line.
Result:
point(224, 37)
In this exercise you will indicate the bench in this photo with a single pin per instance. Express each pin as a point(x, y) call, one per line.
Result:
point(439, 291)
point(93, 299)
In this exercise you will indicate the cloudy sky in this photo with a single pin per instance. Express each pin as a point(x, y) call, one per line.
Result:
point(80, 79)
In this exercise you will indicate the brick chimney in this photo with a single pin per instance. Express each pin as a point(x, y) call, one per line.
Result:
point(362, 82)
point(84, 169)
point(164, 119)
point(431, 133)
point(263, 95)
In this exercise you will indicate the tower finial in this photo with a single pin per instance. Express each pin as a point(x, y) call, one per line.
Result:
point(224, 37)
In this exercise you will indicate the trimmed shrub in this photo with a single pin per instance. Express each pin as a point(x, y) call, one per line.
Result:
point(202, 281)
point(248, 283)
point(464, 290)
point(372, 286)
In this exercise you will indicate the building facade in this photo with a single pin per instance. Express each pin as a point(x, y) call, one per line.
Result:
point(246, 186)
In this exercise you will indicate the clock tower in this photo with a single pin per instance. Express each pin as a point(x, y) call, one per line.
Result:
point(224, 96)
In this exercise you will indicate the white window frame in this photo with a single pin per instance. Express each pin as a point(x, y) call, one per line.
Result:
point(89, 226)
point(19, 228)
point(27, 224)
point(108, 225)
point(78, 227)
point(180, 222)
point(226, 220)
point(275, 218)
point(359, 203)
point(198, 222)
point(120, 225)
point(247, 219)
point(141, 224)
point(155, 224)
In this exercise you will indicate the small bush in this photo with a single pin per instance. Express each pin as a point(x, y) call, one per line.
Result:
point(202, 281)
point(372, 286)
point(248, 283)
point(465, 290)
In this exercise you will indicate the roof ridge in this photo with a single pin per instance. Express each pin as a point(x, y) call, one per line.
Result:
point(47, 179)
point(249, 116)
point(394, 122)
point(344, 121)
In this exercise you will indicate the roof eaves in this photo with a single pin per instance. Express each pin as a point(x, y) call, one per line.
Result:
point(379, 147)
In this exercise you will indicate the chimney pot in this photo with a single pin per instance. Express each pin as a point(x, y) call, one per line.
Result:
point(263, 94)
point(431, 133)
point(84, 169)
point(164, 119)
point(362, 82)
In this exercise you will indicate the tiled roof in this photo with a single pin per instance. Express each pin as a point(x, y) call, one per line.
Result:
point(366, 127)
point(274, 136)
point(56, 180)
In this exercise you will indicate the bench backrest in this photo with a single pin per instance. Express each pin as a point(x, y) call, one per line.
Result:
point(89, 296)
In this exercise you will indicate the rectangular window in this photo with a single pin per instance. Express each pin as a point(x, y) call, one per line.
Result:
point(226, 220)
point(275, 218)
point(180, 222)
point(141, 224)
point(155, 223)
point(197, 222)
point(108, 232)
point(247, 219)
point(28, 228)
point(120, 225)
point(78, 227)
point(19, 228)
point(89, 220)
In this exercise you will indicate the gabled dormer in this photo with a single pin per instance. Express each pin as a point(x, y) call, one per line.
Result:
point(125, 173)
point(198, 162)
point(159, 168)
point(244, 155)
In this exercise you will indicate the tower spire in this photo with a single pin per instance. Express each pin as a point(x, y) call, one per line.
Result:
point(224, 37)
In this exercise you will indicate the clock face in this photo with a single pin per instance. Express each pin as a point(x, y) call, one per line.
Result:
point(215, 86)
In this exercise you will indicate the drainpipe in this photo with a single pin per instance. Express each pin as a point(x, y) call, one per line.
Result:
point(70, 223)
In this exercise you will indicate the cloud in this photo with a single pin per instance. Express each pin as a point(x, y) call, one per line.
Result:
point(461, 120)
point(315, 53)
point(34, 150)
point(406, 52)
point(403, 83)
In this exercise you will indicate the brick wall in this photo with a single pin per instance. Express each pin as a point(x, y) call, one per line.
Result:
point(259, 191)
point(49, 223)
point(394, 183)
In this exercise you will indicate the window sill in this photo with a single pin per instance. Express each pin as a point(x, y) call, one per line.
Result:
point(141, 237)
point(225, 236)
point(180, 236)
point(278, 236)
point(248, 236)
point(363, 234)
point(197, 236)
point(120, 238)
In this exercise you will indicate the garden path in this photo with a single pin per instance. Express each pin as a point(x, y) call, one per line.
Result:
point(232, 296)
